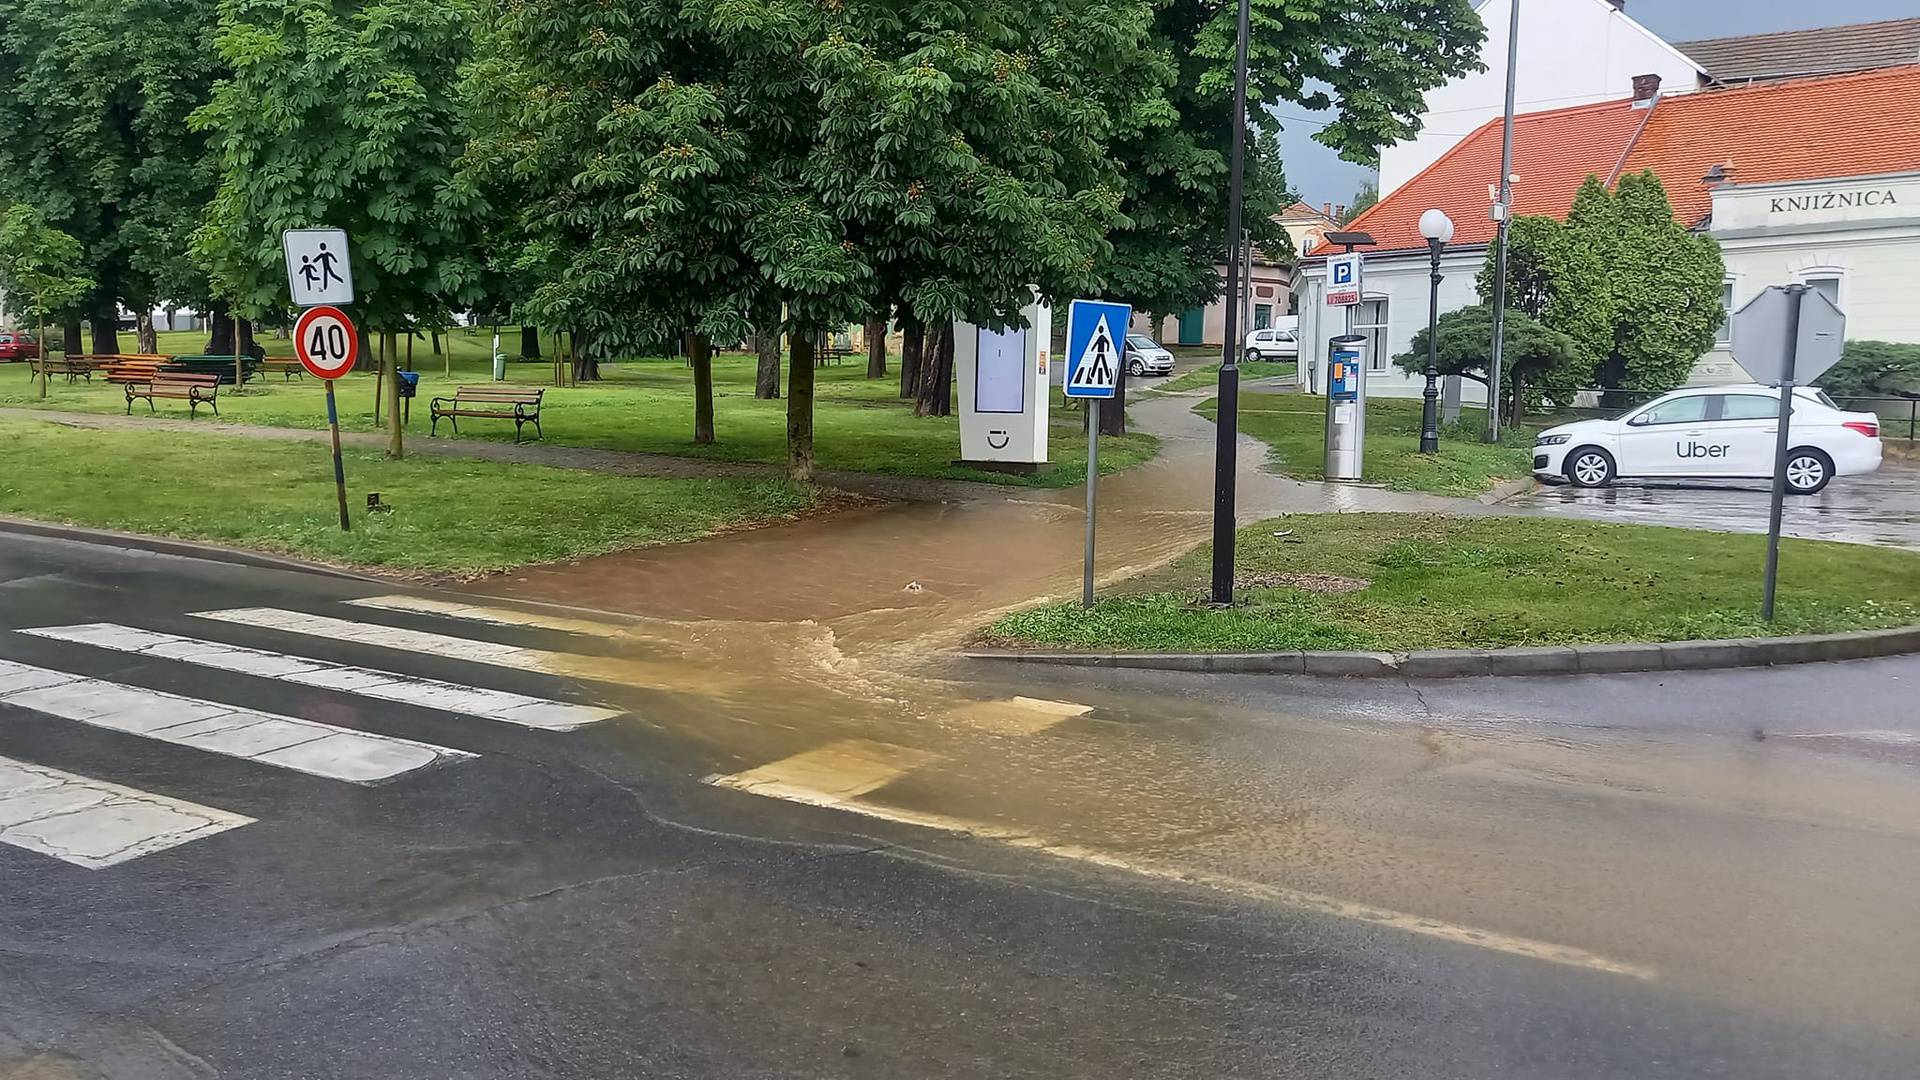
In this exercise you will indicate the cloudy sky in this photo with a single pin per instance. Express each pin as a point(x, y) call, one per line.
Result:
point(1319, 176)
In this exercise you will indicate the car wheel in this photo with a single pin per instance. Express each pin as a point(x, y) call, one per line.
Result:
point(1808, 470)
point(1590, 467)
point(1252, 357)
point(1136, 369)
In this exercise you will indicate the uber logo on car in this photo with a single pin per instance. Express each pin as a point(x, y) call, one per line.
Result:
point(1694, 450)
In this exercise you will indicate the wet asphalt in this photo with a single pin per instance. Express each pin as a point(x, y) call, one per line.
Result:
point(582, 904)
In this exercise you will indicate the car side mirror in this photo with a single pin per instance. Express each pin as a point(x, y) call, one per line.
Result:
point(1638, 421)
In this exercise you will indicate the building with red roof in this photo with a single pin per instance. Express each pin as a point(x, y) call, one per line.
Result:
point(1811, 179)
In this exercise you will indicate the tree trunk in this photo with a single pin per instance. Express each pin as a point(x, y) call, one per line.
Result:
point(106, 329)
point(1113, 411)
point(876, 334)
point(800, 408)
point(700, 353)
point(766, 380)
point(436, 341)
point(586, 362)
point(145, 340)
point(529, 342)
point(913, 340)
point(390, 345)
point(70, 342)
point(935, 396)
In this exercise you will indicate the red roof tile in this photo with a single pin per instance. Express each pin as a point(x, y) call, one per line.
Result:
point(1804, 129)
point(1553, 152)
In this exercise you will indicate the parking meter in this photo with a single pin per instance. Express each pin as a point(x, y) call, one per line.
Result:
point(1346, 407)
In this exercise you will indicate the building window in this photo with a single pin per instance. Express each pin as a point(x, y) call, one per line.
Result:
point(1723, 337)
point(1827, 283)
point(1370, 321)
point(1262, 316)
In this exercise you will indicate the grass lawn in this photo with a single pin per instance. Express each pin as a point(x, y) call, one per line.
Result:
point(449, 515)
point(1294, 425)
point(643, 405)
point(1205, 378)
point(1435, 582)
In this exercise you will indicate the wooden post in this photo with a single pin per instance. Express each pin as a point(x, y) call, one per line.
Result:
point(239, 373)
point(41, 344)
point(379, 376)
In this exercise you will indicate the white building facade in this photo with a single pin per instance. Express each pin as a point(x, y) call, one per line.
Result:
point(1393, 308)
point(1857, 239)
point(1572, 52)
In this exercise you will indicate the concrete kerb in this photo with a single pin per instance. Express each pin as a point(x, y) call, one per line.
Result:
point(179, 549)
point(1461, 663)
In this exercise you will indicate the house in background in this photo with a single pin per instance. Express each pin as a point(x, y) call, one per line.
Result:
point(1792, 54)
point(1572, 52)
point(1270, 285)
point(1814, 180)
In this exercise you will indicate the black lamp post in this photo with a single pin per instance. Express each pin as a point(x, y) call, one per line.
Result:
point(1437, 227)
point(1227, 415)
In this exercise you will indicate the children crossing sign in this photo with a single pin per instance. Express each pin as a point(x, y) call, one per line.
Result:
point(1096, 347)
point(318, 272)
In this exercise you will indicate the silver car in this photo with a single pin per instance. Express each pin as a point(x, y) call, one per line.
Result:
point(1146, 357)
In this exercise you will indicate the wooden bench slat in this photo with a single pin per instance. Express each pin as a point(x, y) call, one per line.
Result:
point(525, 402)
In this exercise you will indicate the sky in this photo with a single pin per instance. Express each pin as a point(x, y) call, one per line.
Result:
point(1318, 175)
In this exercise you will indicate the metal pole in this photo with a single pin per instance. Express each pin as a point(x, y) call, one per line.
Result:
point(1226, 445)
point(1430, 412)
point(1500, 232)
point(1798, 293)
point(339, 470)
point(1093, 485)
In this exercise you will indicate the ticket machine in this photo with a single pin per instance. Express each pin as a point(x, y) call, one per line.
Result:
point(1346, 407)
point(1004, 392)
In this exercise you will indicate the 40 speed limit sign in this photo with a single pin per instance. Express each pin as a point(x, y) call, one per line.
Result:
point(325, 342)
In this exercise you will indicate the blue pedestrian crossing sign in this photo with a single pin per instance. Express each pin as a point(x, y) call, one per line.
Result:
point(1096, 347)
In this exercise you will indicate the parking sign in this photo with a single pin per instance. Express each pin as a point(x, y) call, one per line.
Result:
point(1343, 279)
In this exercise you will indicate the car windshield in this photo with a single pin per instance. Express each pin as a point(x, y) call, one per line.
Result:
point(1141, 341)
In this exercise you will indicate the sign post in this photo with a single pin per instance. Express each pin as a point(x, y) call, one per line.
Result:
point(1096, 351)
point(1787, 334)
point(325, 342)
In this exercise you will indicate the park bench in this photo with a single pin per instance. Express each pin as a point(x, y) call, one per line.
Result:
point(518, 404)
point(287, 366)
point(219, 366)
point(131, 367)
point(193, 388)
point(73, 367)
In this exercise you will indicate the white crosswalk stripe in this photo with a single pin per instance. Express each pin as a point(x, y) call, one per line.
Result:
point(613, 669)
point(498, 705)
point(93, 823)
point(306, 746)
point(490, 615)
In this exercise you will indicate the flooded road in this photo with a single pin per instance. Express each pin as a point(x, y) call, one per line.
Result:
point(1878, 508)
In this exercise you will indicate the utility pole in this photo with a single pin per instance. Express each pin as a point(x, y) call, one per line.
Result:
point(1502, 215)
point(1226, 446)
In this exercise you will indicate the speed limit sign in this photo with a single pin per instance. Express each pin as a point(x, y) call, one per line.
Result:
point(325, 342)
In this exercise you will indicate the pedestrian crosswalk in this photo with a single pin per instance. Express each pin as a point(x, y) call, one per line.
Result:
point(94, 822)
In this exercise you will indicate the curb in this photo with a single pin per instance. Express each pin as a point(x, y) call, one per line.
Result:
point(182, 549)
point(1462, 663)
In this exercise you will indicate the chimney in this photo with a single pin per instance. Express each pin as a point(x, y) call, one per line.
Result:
point(1340, 212)
point(1326, 209)
point(1619, 5)
point(1645, 89)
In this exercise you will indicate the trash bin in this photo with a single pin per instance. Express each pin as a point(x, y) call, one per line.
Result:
point(408, 385)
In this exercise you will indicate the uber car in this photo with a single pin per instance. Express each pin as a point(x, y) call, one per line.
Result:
point(1146, 357)
point(1273, 343)
point(1714, 432)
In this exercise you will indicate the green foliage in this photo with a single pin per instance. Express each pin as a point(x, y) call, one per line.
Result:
point(1636, 291)
point(1869, 368)
point(1372, 63)
point(93, 133)
point(40, 266)
point(1531, 354)
point(1363, 201)
point(346, 115)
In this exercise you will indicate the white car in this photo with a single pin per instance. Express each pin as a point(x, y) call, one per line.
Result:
point(1146, 357)
point(1715, 432)
point(1273, 343)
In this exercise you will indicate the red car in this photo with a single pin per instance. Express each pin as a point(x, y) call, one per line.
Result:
point(16, 347)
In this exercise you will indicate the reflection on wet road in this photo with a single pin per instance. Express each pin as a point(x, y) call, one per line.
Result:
point(1880, 508)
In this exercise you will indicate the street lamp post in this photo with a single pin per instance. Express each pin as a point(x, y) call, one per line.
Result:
point(1437, 227)
point(1226, 445)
